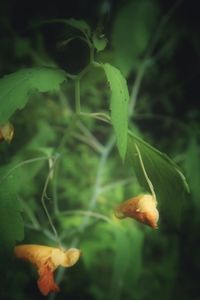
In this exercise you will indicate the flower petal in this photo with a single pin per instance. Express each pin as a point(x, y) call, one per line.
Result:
point(141, 208)
point(47, 259)
point(46, 281)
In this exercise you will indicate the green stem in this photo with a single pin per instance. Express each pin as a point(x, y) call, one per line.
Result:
point(44, 204)
point(30, 214)
point(77, 95)
point(98, 180)
point(136, 86)
point(23, 163)
point(145, 173)
point(91, 214)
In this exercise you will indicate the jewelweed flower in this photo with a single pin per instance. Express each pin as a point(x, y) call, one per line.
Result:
point(47, 260)
point(142, 208)
point(6, 132)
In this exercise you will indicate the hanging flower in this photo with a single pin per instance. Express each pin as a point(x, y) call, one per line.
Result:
point(6, 132)
point(47, 260)
point(141, 208)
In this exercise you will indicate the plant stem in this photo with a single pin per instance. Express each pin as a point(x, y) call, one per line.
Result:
point(90, 214)
point(44, 205)
point(111, 186)
point(136, 86)
point(145, 173)
point(25, 162)
point(77, 95)
point(97, 184)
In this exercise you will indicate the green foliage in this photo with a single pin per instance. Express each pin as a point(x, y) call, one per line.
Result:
point(192, 168)
point(99, 42)
point(61, 156)
point(80, 25)
point(119, 106)
point(168, 182)
point(132, 32)
point(128, 249)
point(16, 88)
point(11, 223)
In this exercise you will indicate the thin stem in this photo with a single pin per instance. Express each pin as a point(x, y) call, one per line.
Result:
point(88, 141)
point(30, 214)
point(98, 179)
point(163, 22)
point(145, 173)
point(136, 86)
point(90, 137)
point(77, 95)
point(99, 116)
point(111, 186)
point(44, 205)
point(54, 189)
point(91, 54)
point(25, 162)
point(87, 213)
point(146, 60)
point(46, 232)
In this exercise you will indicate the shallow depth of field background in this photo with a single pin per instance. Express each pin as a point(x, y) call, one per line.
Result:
point(120, 259)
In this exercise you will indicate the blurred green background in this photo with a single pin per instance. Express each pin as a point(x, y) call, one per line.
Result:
point(156, 46)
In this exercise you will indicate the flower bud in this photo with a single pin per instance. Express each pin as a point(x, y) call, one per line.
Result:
point(6, 132)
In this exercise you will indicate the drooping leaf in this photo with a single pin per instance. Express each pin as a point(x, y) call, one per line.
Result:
point(11, 223)
point(16, 88)
point(119, 106)
point(168, 182)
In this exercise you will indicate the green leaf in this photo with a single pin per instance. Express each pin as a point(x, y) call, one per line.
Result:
point(16, 88)
point(119, 106)
point(192, 168)
point(168, 182)
point(80, 25)
point(11, 223)
point(127, 258)
point(99, 42)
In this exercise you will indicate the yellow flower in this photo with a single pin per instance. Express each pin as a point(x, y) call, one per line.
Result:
point(141, 208)
point(6, 132)
point(47, 260)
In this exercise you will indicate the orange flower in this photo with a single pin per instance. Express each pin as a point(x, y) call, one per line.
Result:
point(141, 208)
point(47, 260)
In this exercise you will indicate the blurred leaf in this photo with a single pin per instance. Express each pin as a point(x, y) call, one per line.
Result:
point(11, 222)
point(133, 29)
point(80, 25)
point(128, 252)
point(16, 88)
point(192, 168)
point(99, 42)
point(168, 182)
point(119, 106)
